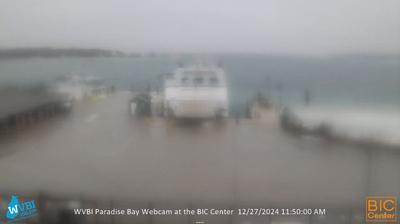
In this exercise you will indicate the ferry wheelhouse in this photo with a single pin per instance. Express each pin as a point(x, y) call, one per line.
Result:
point(196, 92)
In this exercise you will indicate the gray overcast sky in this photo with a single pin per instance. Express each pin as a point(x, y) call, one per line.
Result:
point(258, 26)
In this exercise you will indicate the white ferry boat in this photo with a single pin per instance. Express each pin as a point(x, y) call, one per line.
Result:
point(196, 92)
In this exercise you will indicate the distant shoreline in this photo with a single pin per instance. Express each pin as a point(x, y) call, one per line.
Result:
point(22, 53)
point(50, 52)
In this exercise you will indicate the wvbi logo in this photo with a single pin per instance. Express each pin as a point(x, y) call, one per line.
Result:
point(381, 209)
point(17, 210)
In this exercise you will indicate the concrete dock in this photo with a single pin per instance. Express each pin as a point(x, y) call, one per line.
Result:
point(100, 152)
point(20, 108)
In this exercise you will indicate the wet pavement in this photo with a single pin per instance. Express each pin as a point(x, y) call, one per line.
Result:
point(100, 151)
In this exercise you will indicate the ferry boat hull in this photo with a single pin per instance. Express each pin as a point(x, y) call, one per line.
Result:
point(200, 101)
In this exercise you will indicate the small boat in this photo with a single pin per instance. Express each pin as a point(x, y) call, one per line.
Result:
point(196, 92)
point(79, 87)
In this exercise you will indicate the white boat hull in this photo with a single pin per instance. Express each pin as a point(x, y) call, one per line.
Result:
point(197, 100)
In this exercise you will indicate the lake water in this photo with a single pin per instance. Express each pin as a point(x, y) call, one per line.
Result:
point(360, 95)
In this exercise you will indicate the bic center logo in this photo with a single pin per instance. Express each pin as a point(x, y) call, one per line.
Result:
point(381, 209)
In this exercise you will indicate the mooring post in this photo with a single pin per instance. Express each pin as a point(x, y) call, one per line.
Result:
point(41, 206)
